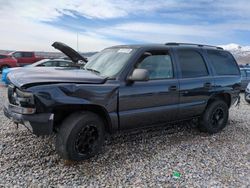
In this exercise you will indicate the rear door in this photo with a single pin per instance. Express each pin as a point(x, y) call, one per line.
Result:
point(28, 58)
point(196, 82)
point(24, 58)
point(18, 56)
point(226, 72)
point(146, 103)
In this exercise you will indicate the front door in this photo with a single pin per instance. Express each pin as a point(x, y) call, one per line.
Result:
point(145, 103)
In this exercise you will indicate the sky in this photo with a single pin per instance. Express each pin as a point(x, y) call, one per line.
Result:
point(36, 24)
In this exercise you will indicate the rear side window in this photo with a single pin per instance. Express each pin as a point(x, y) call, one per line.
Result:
point(27, 54)
point(64, 64)
point(223, 62)
point(48, 64)
point(192, 64)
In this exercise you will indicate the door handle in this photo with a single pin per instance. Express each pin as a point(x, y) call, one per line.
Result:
point(172, 88)
point(207, 85)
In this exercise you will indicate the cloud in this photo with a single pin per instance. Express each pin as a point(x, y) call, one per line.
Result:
point(110, 9)
point(35, 24)
point(26, 35)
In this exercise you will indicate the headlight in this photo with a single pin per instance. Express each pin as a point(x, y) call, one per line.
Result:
point(24, 99)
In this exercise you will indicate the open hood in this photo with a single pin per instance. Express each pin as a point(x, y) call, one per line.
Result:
point(68, 51)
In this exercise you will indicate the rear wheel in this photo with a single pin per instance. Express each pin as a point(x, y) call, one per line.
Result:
point(80, 136)
point(215, 117)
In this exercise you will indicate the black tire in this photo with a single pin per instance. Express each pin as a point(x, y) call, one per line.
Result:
point(80, 136)
point(215, 117)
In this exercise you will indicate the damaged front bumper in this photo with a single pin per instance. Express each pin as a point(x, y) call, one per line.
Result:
point(39, 124)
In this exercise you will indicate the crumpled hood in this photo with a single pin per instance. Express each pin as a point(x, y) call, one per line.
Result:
point(36, 76)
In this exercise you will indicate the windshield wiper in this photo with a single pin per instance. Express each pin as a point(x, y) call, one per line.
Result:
point(93, 70)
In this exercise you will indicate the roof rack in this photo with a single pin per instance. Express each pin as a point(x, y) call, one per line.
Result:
point(191, 44)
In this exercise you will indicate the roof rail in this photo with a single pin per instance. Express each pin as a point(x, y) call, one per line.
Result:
point(191, 44)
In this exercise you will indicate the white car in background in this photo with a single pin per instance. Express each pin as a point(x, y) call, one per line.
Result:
point(247, 93)
point(42, 63)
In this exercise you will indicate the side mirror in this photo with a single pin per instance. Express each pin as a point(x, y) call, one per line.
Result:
point(139, 75)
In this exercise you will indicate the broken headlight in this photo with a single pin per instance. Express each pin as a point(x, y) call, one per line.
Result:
point(24, 99)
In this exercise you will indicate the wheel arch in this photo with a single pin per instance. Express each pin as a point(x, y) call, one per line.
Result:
point(226, 97)
point(64, 111)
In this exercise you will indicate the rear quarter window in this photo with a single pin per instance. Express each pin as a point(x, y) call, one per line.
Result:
point(223, 62)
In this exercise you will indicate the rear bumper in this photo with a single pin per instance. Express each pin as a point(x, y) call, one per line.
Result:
point(38, 124)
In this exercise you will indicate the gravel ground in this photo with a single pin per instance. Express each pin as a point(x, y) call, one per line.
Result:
point(146, 158)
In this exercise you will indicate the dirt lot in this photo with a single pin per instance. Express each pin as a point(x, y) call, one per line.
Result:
point(146, 158)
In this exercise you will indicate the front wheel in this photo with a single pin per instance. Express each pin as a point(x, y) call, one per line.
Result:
point(80, 136)
point(215, 117)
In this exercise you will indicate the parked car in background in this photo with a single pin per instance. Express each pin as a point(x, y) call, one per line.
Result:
point(245, 77)
point(125, 87)
point(7, 61)
point(247, 93)
point(42, 63)
point(25, 58)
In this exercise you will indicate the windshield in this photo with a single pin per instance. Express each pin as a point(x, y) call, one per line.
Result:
point(109, 62)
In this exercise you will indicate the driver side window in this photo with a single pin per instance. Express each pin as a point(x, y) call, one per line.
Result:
point(159, 66)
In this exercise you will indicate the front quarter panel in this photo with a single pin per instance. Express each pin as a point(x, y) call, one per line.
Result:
point(53, 95)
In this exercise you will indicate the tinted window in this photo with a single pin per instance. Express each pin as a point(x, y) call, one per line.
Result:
point(191, 64)
point(27, 54)
point(17, 54)
point(47, 64)
point(248, 73)
point(64, 64)
point(223, 62)
point(3, 56)
point(243, 73)
point(158, 66)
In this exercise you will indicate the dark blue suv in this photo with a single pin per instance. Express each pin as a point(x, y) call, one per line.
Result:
point(125, 87)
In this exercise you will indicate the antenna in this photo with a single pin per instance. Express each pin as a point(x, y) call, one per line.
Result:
point(77, 47)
